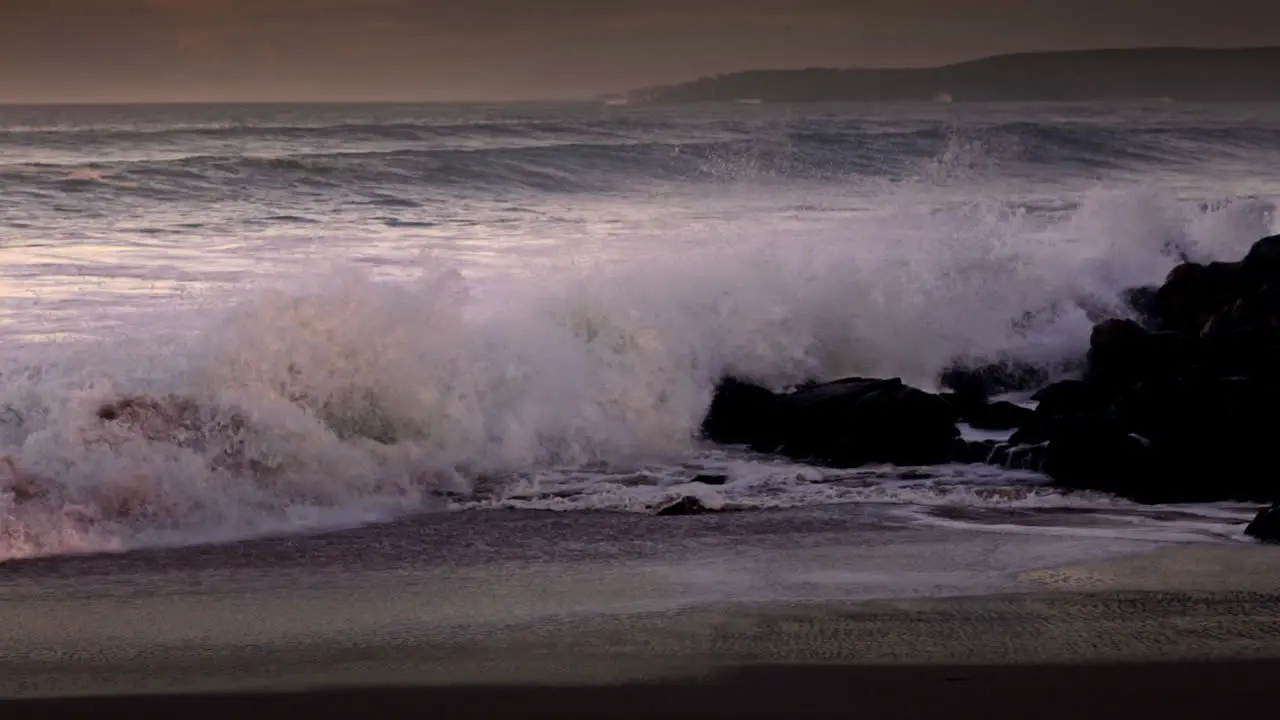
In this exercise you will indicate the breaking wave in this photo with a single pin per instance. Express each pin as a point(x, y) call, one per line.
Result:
point(343, 398)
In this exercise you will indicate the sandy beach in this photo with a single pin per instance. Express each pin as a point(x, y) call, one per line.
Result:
point(755, 614)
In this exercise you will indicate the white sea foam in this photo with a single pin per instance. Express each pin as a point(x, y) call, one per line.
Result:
point(346, 398)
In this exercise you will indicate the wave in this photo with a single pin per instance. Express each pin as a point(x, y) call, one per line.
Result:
point(605, 156)
point(599, 127)
point(427, 129)
point(340, 398)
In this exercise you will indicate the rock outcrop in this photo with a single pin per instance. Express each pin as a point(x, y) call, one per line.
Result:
point(846, 423)
point(1178, 403)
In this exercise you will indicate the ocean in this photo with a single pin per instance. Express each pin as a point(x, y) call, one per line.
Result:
point(389, 314)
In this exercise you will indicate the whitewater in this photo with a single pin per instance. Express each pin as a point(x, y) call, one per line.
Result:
point(373, 312)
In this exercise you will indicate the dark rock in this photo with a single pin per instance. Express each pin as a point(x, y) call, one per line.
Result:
point(1245, 352)
point(1184, 409)
point(711, 479)
point(846, 423)
point(1147, 408)
point(1263, 258)
point(998, 416)
point(743, 414)
point(1066, 395)
point(1142, 302)
point(1056, 404)
point(1193, 293)
point(1120, 351)
point(1266, 526)
point(1256, 308)
point(963, 404)
point(858, 421)
point(682, 507)
point(1215, 439)
point(1179, 404)
point(1088, 454)
point(968, 388)
point(980, 380)
point(1039, 428)
point(1173, 441)
point(1171, 354)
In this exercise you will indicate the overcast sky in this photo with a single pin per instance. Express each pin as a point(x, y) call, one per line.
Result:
point(157, 50)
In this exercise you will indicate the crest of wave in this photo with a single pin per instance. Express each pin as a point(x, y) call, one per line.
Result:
point(338, 399)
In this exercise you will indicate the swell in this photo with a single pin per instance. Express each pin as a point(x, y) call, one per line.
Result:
point(624, 126)
point(569, 159)
point(394, 130)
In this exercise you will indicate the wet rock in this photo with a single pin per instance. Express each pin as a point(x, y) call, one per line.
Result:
point(1194, 293)
point(1185, 413)
point(714, 480)
point(1263, 258)
point(1000, 454)
point(975, 379)
point(1057, 404)
point(743, 414)
point(963, 404)
point(1181, 404)
point(1256, 309)
point(1173, 441)
point(1141, 301)
point(1120, 352)
point(1090, 454)
point(845, 423)
point(858, 421)
point(1067, 397)
point(1252, 352)
point(1266, 526)
point(972, 452)
point(998, 416)
point(1213, 438)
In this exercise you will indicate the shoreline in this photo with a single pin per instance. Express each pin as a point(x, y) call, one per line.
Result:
point(219, 620)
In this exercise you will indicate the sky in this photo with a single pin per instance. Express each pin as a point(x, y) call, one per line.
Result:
point(476, 50)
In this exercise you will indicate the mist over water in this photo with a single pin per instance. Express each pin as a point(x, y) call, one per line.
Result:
point(369, 312)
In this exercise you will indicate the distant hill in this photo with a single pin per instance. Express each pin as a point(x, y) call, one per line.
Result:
point(1188, 74)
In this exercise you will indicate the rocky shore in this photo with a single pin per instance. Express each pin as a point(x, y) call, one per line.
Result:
point(1176, 402)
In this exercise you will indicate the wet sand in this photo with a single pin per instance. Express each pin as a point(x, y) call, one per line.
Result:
point(1168, 690)
point(531, 615)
